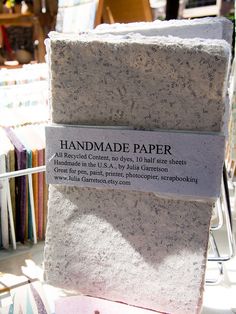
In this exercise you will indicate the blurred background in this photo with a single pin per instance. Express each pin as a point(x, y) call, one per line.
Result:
point(25, 24)
point(25, 110)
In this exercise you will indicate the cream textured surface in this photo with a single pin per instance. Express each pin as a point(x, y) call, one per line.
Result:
point(209, 27)
point(143, 82)
point(130, 246)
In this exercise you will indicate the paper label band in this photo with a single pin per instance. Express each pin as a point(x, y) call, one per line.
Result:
point(166, 162)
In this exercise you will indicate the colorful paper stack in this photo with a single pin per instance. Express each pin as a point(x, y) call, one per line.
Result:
point(22, 148)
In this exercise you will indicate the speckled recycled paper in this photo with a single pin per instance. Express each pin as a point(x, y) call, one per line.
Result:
point(142, 82)
point(129, 246)
point(208, 28)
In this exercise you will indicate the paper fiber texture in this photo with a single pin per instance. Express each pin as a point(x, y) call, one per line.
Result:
point(142, 82)
point(133, 246)
point(182, 164)
point(208, 27)
point(87, 305)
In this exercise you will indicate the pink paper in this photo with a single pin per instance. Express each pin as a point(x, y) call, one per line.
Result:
point(89, 305)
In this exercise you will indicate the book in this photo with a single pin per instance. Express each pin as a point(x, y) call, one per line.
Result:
point(6, 164)
point(20, 132)
point(43, 188)
point(20, 184)
point(38, 149)
point(3, 204)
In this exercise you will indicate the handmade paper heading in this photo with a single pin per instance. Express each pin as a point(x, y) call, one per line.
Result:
point(166, 162)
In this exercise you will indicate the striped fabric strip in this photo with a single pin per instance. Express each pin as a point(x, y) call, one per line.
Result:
point(39, 303)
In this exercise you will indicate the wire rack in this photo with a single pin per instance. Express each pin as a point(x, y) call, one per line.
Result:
point(5, 177)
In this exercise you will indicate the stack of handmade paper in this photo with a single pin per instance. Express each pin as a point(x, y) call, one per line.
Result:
point(128, 246)
point(214, 28)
